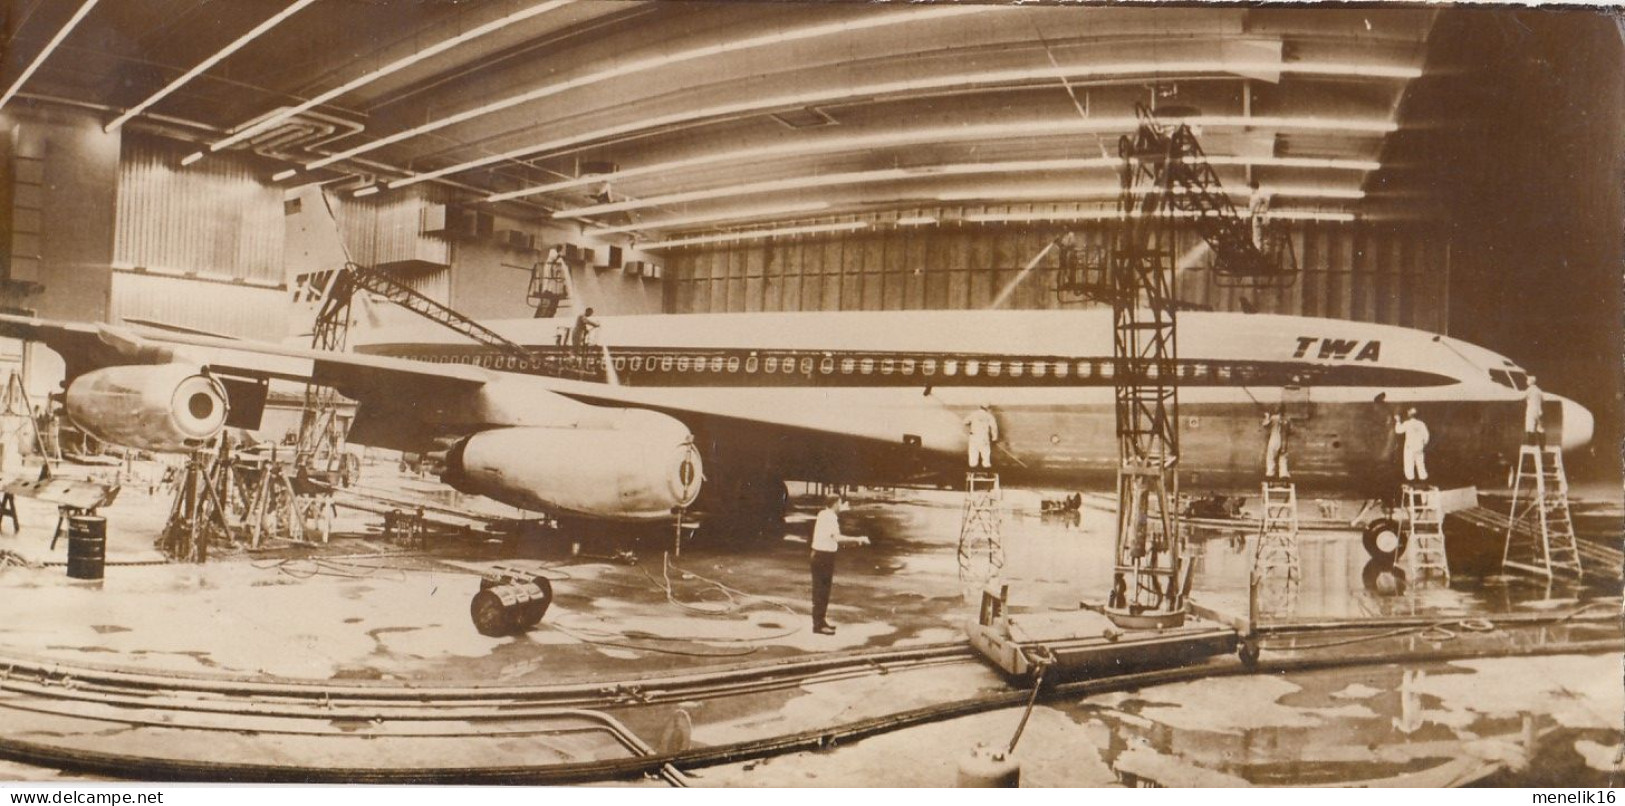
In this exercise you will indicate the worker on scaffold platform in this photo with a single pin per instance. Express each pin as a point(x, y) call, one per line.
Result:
point(1534, 419)
point(983, 431)
point(1279, 427)
point(1258, 206)
point(1416, 442)
point(581, 333)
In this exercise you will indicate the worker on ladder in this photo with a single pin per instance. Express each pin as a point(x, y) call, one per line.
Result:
point(1534, 425)
point(983, 431)
point(1416, 442)
point(1275, 446)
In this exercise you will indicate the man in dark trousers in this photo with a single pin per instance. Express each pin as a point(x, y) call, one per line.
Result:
point(826, 540)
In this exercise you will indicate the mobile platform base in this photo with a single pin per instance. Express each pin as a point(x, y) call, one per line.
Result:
point(1087, 643)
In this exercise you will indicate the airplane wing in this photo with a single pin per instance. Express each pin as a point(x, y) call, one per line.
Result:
point(403, 404)
point(91, 346)
point(397, 398)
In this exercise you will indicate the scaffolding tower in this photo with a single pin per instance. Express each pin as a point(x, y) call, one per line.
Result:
point(1151, 577)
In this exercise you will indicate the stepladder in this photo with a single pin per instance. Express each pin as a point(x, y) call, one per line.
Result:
point(1423, 530)
point(1540, 530)
point(1277, 551)
point(981, 528)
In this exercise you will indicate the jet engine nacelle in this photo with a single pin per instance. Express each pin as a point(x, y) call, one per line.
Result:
point(164, 408)
point(642, 468)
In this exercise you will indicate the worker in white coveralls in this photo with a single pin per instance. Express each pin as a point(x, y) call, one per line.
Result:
point(1416, 442)
point(1534, 425)
point(1275, 445)
point(983, 430)
point(1258, 206)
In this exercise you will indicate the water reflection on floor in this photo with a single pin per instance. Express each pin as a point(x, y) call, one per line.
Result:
point(1053, 561)
point(1522, 722)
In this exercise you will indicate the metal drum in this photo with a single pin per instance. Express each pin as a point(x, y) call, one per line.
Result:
point(87, 546)
point(510, 606)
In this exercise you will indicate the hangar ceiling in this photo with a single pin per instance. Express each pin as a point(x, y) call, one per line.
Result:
point(673, 121)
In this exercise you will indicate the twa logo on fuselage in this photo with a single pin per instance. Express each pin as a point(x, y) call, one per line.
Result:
point(1338, 349)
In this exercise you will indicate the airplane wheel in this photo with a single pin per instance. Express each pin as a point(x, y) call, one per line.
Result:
point(1384, 579)
point(1384, 541)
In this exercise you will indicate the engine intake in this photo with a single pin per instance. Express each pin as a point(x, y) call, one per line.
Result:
point(166, 408)
point(640, 470)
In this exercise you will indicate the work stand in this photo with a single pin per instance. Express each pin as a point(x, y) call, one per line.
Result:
point(981, 528)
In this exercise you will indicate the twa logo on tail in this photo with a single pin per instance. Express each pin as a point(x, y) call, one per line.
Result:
point(1338, 349)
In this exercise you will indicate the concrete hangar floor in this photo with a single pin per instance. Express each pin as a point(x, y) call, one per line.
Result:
point(356, 660)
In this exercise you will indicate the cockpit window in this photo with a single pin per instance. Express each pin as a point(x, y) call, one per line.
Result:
point(1512, 380)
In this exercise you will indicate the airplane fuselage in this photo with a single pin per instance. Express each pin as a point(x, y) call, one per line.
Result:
point(880, 398)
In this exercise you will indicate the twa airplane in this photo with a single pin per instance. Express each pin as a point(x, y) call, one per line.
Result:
point(621, 429)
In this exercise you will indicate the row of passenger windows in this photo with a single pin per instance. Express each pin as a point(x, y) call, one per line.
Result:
point(829, 365)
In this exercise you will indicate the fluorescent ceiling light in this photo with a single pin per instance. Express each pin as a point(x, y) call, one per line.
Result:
point(1297, 215)
point(393, 67)
point(916, 220)
point(656, 63)
point(806, 207)
point(50, 46)
point(366, 191)
point(281, 175)
point(1296, 162)
point(927, 172)
point(208, 63)
point(191, 158)
point(750, 235)
point(951, 81)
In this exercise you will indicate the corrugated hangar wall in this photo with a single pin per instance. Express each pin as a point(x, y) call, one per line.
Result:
point(1372, 272)
point(198, 247)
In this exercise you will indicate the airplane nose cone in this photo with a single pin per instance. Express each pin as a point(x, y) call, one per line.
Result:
point(1577, 425)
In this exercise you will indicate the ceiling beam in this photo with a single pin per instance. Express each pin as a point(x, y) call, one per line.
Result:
point(396, 66)
point(656, 63)
point(220, 55)
point(945, 134)
point(935, 171)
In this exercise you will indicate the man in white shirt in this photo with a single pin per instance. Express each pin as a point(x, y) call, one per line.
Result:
point(1534, 425)
point(1416, 441)
point(983, 431)
point(826, 540)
